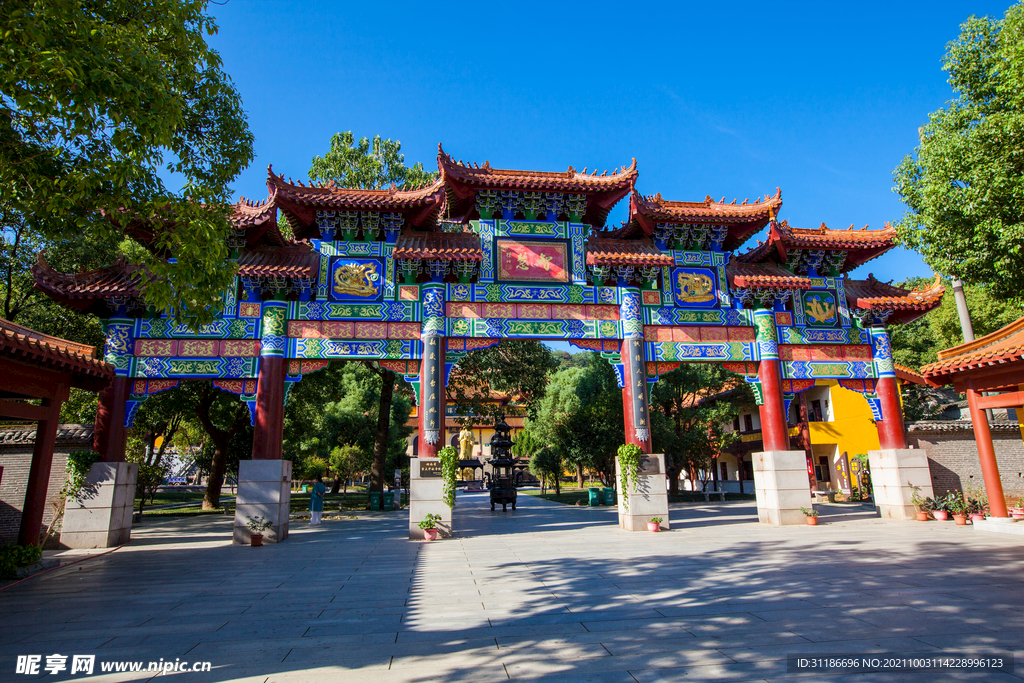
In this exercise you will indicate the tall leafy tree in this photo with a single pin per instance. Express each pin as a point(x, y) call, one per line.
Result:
point(516, 367)
point(367, 165)
point(690, 407)
point(964, 186)
point(99, 101)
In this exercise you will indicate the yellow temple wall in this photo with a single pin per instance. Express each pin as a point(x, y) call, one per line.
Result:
point(852, 429)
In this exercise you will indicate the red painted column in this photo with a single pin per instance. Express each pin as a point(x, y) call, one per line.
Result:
point(39, 476)
point(269, 425)
point(891, 432)
point(109, 436)
point(774, 428)
point(987, 455)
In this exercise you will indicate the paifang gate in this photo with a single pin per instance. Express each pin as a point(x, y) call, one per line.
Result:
point(417, 278)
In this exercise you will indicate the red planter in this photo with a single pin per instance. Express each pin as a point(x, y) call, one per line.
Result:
point(812, 521)
point(940, 515)
point(654, 526)
point(256, 540)
point(922, 516)
point(430, 534)
point(961, 520)
point(977, 517)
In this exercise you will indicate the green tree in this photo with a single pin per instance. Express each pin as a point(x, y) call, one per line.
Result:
point(366, 165)
point(546, 464)
point(690, 407)
point(98, 101)
point(964, 186)
point(516, 367)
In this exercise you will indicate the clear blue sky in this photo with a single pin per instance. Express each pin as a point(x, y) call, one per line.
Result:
point(820, 99)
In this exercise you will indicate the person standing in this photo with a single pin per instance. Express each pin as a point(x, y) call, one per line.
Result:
point(316, 501)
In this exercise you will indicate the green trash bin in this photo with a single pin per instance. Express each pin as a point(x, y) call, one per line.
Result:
point(374, 500)
point(389, 500)
point(595, 497)
point(305, 489)
point(609, 496)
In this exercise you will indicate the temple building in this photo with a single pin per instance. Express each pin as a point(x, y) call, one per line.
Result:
point(414, 279)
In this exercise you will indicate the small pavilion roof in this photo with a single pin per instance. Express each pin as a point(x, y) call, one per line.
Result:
point(89, 291)
point(615, 252)
point(860, 245)
point(298, 262)
point(301, 201)
point(905, 374)
point(462, 182)
point(763, 276)
point(743, 219)
point(906, 304)
point(438, 246)
point(1001, 351)
point(41, 350)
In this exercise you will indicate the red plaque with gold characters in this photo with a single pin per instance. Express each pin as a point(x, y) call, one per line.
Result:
point(533, 260)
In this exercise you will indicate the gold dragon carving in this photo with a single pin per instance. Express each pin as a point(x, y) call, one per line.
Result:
point(355, 279)
point(695, 287)
point(821, 313)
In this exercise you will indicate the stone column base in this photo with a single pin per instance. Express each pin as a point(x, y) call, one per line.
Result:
point(648, 496)
point(781, 486)
point(101, 516)
point(264, 488)
point(426, 496)
point(891, 469)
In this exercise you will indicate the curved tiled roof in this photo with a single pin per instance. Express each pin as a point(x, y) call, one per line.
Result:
point(861, 245)
point(67, 434)
point(612, 252)
point(743, 219)
point(87, 291)
point(763, 276)
point(298, 261)
point(603, 191)
point(439, 246)
point(41, 350)
point(1001, 347)
point(906, 305)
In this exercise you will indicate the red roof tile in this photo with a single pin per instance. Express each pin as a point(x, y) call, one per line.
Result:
point(906, 304)
point(41, 350)
point(611, 252)
point(763, 276)
point(743, 219)
point(441, 246)
point(603, 191)
point(87, 291)
point(1003, 347)
point(299, 262)
point(861, 245)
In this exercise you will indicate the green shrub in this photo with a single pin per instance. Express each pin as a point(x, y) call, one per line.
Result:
point(14, 557)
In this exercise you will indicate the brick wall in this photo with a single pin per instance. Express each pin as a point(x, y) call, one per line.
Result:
point(953, 455)
point(16, 445)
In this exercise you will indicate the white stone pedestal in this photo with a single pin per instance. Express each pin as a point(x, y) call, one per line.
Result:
point(890, 471)
point(426, 496)
point(648, 496)
point(101, 516)
point(781, 486)
point(264, 488)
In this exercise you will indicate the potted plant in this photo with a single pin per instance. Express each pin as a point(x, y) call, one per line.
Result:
point(811, 515)
point(920, 503)
point(958, 508)
point(940, 508)
point(257, 525)
point(429, 526)
point(654, 525)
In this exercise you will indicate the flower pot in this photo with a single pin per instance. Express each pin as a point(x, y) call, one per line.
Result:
point(941, 515)
point(961, 520)
point(256, 540)
point(922, 516)
point(430, 534)
point(812, 521)
point(654, 526)
point(977, 517)
point(1018, 515)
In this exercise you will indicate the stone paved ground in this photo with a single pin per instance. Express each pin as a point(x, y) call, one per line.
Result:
point(549, 592)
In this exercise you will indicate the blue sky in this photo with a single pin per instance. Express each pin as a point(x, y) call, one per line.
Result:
point(820, 99)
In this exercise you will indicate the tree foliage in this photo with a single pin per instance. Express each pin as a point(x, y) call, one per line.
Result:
point(368, 165)
point(690, 407)
point(516, 367)
point(99, 102)
point(964, 186)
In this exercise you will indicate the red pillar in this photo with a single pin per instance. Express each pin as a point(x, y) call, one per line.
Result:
point(774, 430)
point(39, 475)
point(987, 455)
point(269, 428)
point(891, 433)
point(108, 437)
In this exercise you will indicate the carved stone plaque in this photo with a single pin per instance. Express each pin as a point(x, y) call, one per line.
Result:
point(430, 469)
point(649, 465)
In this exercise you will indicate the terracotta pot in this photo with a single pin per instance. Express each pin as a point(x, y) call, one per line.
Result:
point(977, 517)
point(430, 534)
point(257, 540)
point(940, 515)
point(922, 516)
point(961, 520)
point(812, 521)
point(1018, 515)
point(654, 526)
